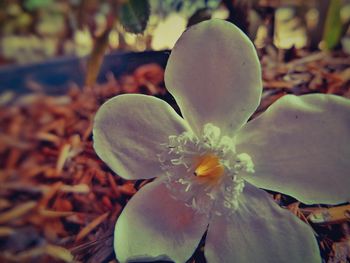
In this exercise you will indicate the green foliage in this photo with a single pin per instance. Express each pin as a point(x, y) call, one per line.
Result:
point(134, 15)
point(333, 26)
point(35, 4)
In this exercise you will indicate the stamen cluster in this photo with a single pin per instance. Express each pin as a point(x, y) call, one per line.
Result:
point(204, 194)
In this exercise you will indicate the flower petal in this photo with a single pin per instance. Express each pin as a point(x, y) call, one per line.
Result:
point(300, 147)
point(214, 74)
point(260, 231)
point(128, 133)
point(155, 226)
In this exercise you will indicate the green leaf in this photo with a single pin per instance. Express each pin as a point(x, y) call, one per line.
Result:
point(333, 26)
point(134, 15)
point(35, 4)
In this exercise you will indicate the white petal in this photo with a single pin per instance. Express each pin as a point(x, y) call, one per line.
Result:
point(301, 147)
point(128, 133)
point(214, 74)
point(155, 226)
point(260, 231)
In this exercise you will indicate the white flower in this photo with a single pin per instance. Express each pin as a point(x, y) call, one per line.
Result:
point(210, 163)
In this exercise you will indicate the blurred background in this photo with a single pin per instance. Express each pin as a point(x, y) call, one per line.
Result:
point(37, 30)
point(61, 59)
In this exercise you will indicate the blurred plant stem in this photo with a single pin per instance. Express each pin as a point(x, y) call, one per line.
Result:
point(96, 58)
point(100, 46)
point(133, 15)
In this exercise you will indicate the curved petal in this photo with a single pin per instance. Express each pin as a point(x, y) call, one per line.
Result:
point(260, 231)
point(155, 226)
point(301, 147)
point(129, 131)
point(214, 74)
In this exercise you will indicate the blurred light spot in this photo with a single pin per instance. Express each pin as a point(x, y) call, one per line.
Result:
point(261, 35)
point(288, 29)
point(114, 39)
point(101, 23)
point(168, 32)
point(130, 38)
point(345, 13)
point(220, 13)
point(14, 9)
point(312, 17)
point(83, 41)
point(346, 44)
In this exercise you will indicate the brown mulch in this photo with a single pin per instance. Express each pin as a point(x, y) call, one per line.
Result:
point(59, 202)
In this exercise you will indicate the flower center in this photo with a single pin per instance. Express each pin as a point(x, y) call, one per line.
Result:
point(205, 171)
point(209, 166)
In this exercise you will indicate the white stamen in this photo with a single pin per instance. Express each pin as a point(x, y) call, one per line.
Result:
point(205, 196)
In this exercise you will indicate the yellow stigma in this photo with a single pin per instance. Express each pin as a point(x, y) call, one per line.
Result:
point(209, 166)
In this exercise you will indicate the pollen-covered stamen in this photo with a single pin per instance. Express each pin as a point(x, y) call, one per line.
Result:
point(205, 171)
point(209, 167)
